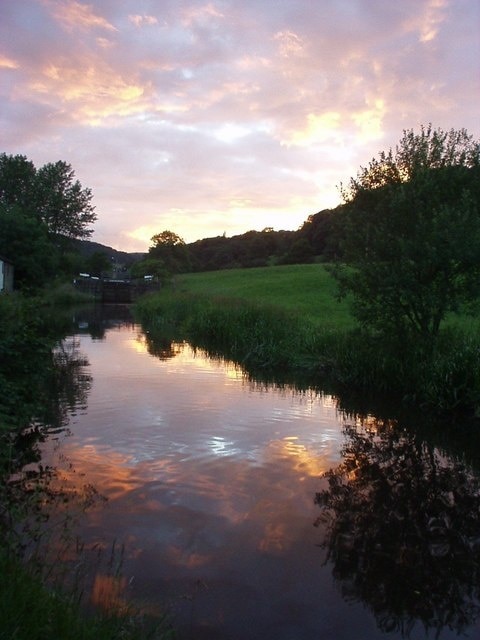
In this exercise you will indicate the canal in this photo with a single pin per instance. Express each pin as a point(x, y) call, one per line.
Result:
point(250, 510)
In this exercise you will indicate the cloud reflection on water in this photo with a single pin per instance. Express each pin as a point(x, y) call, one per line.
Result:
point(210, 481)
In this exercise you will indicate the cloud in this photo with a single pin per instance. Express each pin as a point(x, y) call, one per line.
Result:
point(370, 121)
point(289, 44)
point(8, 63)
point(318, 128)
point(430, 18)
point(142, 20)
point(91, 91)
point(200, 15)
point(206, 117)
point(76, 15)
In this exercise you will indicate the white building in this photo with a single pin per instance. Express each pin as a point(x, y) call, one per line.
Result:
point(6, 275)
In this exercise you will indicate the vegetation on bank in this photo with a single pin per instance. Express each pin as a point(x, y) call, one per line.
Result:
point(44, 215)
point(30, 611)
point(41, 210)
point(410, 234)
point(271, 327)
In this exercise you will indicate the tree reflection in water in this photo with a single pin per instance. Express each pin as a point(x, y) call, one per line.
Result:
point(402, 529)
point(66, 383)
point(28, 495)
point(69, 384)
point(160, 346)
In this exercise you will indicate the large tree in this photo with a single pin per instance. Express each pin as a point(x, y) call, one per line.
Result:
point(61, 201)
point(39, 208)
point(411, 233)
point(17, 181)
point(49, 193)
point(170, 250)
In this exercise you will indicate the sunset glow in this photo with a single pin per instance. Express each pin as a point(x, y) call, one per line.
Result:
point(211, 117)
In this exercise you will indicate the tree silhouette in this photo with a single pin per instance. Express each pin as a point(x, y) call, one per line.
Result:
point(411, 233)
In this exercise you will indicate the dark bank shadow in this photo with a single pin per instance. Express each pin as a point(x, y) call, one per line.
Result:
point(60, 383)
point(95, 320)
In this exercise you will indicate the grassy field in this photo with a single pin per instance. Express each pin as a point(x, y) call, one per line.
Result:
point(308, 290)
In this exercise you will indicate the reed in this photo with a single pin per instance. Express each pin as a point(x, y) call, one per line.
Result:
point(259, 336)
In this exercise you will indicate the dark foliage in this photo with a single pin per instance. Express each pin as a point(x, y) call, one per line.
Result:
point(322, 233)
point(250, 249)
point(41, 210)
point(411, 233)
point(25, 241)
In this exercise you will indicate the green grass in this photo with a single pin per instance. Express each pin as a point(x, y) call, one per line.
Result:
point(307, 290)
point(287, 319)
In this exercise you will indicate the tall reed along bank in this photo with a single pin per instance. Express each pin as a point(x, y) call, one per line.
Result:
point(288, 321)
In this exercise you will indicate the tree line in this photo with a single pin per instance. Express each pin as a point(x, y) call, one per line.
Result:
point(404, 243)
point(315, 240)
point(169, 253)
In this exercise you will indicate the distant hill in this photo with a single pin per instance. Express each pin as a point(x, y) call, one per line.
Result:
point(315, 240)
point(87, 248)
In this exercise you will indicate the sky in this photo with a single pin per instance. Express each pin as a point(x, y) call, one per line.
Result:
point(212, 117)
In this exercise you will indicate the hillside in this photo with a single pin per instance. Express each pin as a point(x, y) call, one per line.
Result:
point(316, 237)
point(87, 248)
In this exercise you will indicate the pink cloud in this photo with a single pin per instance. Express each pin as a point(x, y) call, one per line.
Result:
point(8, 63)
point(201, 14)
point(142, 20)
point(74, 15)
point(209, 117)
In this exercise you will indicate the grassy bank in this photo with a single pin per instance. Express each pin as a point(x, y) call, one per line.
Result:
point(308, 290)
point(288, 320)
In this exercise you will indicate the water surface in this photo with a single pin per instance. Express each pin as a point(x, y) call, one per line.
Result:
point(214, 485)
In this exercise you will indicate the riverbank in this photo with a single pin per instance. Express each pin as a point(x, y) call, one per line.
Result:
point(36, 388)
point(288, 320)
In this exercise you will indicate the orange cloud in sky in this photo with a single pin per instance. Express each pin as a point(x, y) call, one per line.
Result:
point(94, 92)
point(76, 15)
point(370, 120)
point(318, 128)
point(8, 63)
